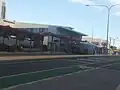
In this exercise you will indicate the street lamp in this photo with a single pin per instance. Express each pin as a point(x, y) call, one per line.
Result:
point(108, 18)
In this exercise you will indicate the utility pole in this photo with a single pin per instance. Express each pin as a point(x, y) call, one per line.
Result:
point(92, 34)
point(110, 41)
point(108, 19)
point(92, 40)
point(114, 42)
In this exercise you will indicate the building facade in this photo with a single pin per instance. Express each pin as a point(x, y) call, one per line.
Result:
point(54, 40)
point(100, 43)
point(97, 41)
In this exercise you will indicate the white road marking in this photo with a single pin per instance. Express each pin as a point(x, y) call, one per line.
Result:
point(45, 79)
point(21, 62)
point(91, 69)
point(41, 71)
point(82, 66)
point(43, 61)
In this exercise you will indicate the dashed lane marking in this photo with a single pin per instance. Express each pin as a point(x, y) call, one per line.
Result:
point(42, 71)
point(91, 69)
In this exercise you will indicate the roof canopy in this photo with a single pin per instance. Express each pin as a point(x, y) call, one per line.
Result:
point(70, 31)
point(58, 36)
point(16, 31)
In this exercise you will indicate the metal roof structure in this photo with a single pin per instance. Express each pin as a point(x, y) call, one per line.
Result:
point(24, 25)
point(72, 30)
point(18, 32)
point(15, 24)
point(29, 25)
point(58, 36)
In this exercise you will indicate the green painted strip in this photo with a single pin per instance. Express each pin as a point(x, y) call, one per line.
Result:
point(21, 79)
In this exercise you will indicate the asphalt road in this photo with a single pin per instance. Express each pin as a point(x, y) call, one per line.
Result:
point(106, 78)
point(12, 68)
point(101, 79)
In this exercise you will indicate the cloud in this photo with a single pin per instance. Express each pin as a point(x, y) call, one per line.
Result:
point(96, 1)
point(114, 1)
point(99, 2)
point(84, 1)
point(88, 2)
point(116, 14)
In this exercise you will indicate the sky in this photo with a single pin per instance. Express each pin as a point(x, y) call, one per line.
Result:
point(73, 13)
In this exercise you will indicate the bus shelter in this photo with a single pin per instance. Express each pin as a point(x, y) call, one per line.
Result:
point(56, 42)
point(14, 37)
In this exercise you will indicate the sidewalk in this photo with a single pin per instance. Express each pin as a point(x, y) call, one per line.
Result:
point(48, 57)
point(30, 53)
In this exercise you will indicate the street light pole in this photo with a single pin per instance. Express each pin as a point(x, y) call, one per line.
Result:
point(108, 19)
point(108, 22)
point(114, 41)
point(110, 41)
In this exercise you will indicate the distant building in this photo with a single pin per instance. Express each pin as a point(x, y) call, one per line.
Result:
point(100, 43)
point(96, 41)
point(2, 9)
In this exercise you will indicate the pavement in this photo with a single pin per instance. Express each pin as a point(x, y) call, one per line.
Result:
point(30, 53)
point(97, 73)
point(31, 57)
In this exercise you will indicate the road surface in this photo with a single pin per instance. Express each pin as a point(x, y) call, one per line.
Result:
point(101, 79)
point(103, 73)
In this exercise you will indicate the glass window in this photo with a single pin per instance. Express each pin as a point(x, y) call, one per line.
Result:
point(37, 30)
point(46, 30)
point(31, 29)
point(96, 43)
point(104, 44)
point(34, 30)
point(28, 29)
point(40, 29)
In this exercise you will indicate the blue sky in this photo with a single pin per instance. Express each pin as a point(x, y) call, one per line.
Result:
point(72, 13)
